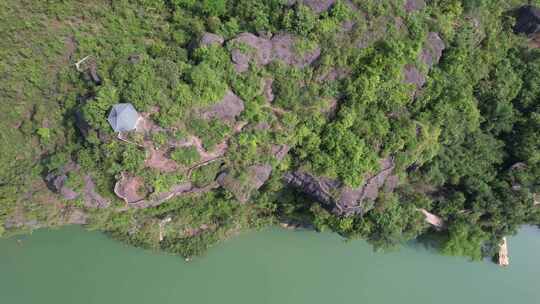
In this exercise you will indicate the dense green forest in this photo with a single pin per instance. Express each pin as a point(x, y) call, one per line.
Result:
point(356, 116)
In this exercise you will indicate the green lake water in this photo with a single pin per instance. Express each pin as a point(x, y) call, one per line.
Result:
point(274, 266)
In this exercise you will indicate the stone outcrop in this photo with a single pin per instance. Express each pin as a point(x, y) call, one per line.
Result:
point(257, 175)
point(318, 6)
point(228, 108)
point(210, 39)
point(430, 55)
point(91, 198)
point(414, 5)
point(76, 217)
point(58, 184)
point(339, 198)
point(280, 151)
point(262, 51)
point(333, 74)
point(413, 76)
point(319, 188)
point(432, 51)
point(268, 92)
point(284, 50)
point(18, 221)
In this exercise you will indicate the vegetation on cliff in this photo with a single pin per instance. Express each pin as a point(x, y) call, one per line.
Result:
point(341, 115)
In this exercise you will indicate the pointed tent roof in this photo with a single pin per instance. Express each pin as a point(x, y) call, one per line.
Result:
point(123, 117)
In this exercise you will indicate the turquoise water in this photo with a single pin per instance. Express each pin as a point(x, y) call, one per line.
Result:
point(274, 266)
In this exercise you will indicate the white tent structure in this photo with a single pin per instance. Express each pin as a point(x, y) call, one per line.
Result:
point(123, 117)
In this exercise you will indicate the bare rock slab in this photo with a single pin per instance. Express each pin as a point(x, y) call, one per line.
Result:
point(414, 5)
point(227, 109)
point(261, 51)
point(208, 39)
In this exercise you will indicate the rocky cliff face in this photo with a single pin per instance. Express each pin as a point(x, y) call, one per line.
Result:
point(430, 55)
point(341, 199)
point(90, 197)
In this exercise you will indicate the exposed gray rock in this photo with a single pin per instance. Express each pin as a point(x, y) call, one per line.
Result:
point(430, 55)
point(280, 151)
point(228, 108)
point(347, 25)
point(210, 39)
point(413, 76)
point(391, 183)
point(242, 190)
point(319, 188)
point(262, 51)
point(57, 184)
point(350, 200)
point(267, 89)
point(318, 6)
point(414, 5)
point(92, 199)
point(342, 200)
point(377, 30)
point(260, 174)
point(284, 50)
point(330, 107)
point(17, 220)
point(432, 51)
point(77, 217)
point(333, 74)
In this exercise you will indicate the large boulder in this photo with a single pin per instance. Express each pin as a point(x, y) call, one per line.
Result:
point(430, 55)
point(56, 181)
point(283, 48)
point(228, 108)
point(259, 50)
point(268, 92)
point(318, 6)
point(280, 151)
point(91, 198)
point(247, 47)
point(413, 76)
point(528, 20)
point(319, 188)
point(76, 216)
point(433, 48)
point(257, 175)
point(414, 5)
point(208, 39)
